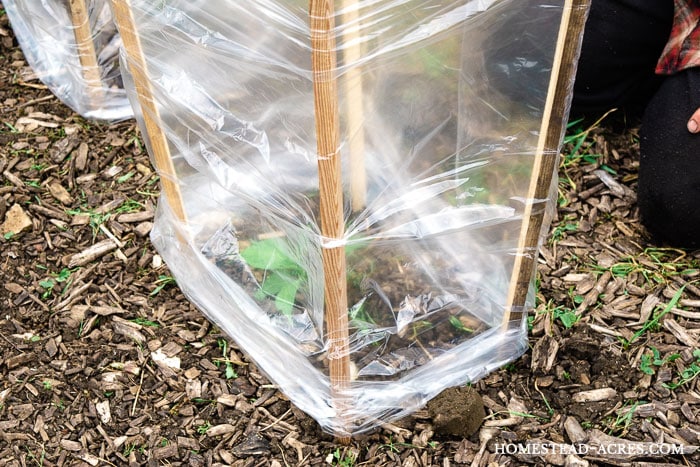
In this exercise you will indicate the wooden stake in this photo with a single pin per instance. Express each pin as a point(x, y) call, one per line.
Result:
point(354, 113)
point(86, 46)
point(546, 158)
point(323, 64)
point(124, 19)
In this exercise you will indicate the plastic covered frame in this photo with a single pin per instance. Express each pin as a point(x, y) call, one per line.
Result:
point(300, 146)
point(73, 48)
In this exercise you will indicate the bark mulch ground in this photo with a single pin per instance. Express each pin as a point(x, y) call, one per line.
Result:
point(104, 362)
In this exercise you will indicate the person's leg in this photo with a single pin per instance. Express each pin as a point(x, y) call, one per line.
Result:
point(669, 165)
point(622, 42)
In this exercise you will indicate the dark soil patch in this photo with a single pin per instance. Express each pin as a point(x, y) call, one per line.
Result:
point(457, 412)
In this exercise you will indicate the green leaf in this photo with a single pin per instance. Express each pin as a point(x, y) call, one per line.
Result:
point(286, 297)
point(673, 357)
point(125, 177)
point(162, 281)
point(658, 361)
point(268, 255)
point(230, 372)
point(145, 322)
point(567, 317)
point(259, 294)
point(273, 283)
point(64, 275)
point(283, 275)
point(457, 324)
point(691, 372)
point(653, 323)
point(645, 365)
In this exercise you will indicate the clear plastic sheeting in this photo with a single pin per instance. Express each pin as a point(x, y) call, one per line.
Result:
point(441, 109)
point(73, 48)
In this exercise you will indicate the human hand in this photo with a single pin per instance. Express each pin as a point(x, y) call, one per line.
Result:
point(694, 122)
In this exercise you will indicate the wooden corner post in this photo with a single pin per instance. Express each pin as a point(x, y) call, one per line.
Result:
point(85, 46)
point(354, 104)
point(124, 18)
point(546, 157)
point(325, 85)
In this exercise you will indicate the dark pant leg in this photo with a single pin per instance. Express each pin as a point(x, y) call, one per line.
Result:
point(622, 42)
point(669, 166)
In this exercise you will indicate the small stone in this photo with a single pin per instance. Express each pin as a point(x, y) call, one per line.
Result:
point(184, 334)
point(104, 411)
point(143, 229)
point(457, 411)
point(16, 221)
point(143, 170)
point(60, 193)
point(192, 373)
point(51, 347)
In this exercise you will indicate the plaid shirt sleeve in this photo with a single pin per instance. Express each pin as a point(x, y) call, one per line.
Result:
point(683, 48)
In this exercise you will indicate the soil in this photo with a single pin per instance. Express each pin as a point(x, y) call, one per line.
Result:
point(104, 362)
point(457, 412)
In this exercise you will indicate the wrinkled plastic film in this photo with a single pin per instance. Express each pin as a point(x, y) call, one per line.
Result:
point(444, 100)
point(73, 48)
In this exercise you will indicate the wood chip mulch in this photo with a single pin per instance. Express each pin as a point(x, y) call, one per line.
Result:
point(104, 362)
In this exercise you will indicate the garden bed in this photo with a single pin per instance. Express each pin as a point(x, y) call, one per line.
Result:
point(103, 361)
